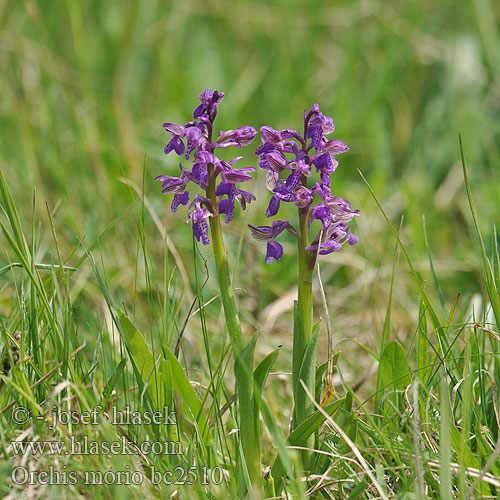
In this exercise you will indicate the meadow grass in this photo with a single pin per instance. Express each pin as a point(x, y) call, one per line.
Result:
point(414, 307)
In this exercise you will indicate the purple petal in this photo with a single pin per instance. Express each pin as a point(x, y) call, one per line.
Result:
point(337, 232)
point(226, 144)
point(238, 175)
point(341, 209)
point(290, 133)
point(325, 122)
point(194, 139)
point(274, 251)
point(179, 199)
point(315, 108)
point(270, 135)
point(217, 97)
point(234, 160)
point(335, 147)
point(261, 233)
point(199, 212)
point(329, 247)
point(200, 230)
point(205, 157)
point(263, 163)
point(205, 95)
point(272, 180)
point(169, 147)
point(353, 239)
point(278, 226)
point(327, 125)
point(325, 179)
point(325, 162)
point(276, 161)
point(224, 188)
point(186, 174)
point(175, 144)
point(303, 196)
point(197, 113)
point(227, 207)
point(245, 135)
point(325, 248)
point(173, 129)
point(171, 184)
point(293, 179)
point(273, 207)
point(209, 102)
point(200, 173)
point(315, 133)
point(178, 146)
point(267, 147)
point(246, 195)
point(284, 194)
point(268, 233)
point(322, 213)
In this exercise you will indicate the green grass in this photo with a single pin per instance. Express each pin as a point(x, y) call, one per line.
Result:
point(85, 87)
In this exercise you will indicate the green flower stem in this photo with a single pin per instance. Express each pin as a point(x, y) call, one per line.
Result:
point(303, 327)
point(248, 425)
point(226, 289)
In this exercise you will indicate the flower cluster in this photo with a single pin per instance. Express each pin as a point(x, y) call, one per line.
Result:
point(289, 158)
point(195, 138)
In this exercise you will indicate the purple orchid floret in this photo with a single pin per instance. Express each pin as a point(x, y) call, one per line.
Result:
point(194, 140)
point(198, 215)
point(209, 102)
point(290, 158)
point(333, 239)
point(226, 206)
point(269, 235)
point(239, 137)
point(176, 144)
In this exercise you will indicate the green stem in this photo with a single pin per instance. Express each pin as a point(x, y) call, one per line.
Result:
point(250, 441)
point(226, 289)
point(306, 267)
point(303, 326)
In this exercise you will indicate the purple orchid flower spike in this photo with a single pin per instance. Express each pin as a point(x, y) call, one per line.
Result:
point(288, 158)
point(194, 140)
point(298, 170)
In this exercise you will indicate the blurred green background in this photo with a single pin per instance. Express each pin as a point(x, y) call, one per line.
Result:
point(85, 87)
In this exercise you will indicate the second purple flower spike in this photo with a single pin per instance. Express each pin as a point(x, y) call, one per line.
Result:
point(289, 158)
